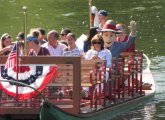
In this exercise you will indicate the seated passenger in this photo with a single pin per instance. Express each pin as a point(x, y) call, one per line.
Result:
point(41, 36)
point(34, 47)
point(63, 34)
point(20, 37)
point(5, 44)
point(72, 49)
point(53, 45)
point(98, 51)
point(103, 15)
point(122, 36)
point(87, 43)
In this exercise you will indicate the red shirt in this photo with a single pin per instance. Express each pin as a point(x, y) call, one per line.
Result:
point(131, 48)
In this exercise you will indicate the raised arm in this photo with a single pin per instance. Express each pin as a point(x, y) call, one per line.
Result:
point(6, 49)
point(132, 28)
point(131, 37)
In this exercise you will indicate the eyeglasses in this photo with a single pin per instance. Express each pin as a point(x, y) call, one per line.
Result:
point(120, 30)
point(62, 34)
point(96, 42)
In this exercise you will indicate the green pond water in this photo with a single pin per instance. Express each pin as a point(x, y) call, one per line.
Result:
point(57, 14)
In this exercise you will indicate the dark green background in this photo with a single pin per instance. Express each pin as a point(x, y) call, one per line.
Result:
point(56, 14)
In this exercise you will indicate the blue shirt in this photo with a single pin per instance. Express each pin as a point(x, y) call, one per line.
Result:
point(119, 47)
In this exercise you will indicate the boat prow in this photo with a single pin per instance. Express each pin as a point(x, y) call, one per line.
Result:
point(148, 80)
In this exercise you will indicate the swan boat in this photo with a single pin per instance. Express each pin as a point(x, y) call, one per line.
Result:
point(54, 87)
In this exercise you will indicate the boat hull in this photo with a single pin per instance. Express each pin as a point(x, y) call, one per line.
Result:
point(55, 113)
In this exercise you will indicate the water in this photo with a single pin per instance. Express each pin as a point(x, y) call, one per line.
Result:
point(154, 110)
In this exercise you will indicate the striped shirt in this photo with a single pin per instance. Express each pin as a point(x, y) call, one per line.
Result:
point(75, 52)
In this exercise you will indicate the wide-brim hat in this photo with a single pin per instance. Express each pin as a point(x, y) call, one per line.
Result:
point(109, 26)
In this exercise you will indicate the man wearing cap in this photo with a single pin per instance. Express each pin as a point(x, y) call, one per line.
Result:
point(34, 47)
point(103, 15)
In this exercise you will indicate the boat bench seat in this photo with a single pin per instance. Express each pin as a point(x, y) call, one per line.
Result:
point(92, 74)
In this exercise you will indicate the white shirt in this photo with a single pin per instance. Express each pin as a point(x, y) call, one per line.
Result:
point(75, 52)
point(55, 51)
point(104, 54)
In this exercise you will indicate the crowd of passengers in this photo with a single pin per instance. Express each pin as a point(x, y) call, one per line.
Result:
point(104, 41)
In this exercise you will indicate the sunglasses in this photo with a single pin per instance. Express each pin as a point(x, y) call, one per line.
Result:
point(96, 42)
point(62, 34)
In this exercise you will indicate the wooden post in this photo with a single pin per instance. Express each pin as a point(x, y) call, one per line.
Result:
point(76, 85)
point(136, 76)
point(25, 29)
point(90, 18)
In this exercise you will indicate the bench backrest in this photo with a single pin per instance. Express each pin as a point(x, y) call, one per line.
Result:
point(92, 72)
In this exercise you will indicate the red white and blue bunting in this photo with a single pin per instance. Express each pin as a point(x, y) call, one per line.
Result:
point(35, 76)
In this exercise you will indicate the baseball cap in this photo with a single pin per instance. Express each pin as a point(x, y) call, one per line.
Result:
point(103, 13)
point(31, 38)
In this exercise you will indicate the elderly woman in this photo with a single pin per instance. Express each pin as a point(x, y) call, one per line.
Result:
point(34, 47)
point(5, 44)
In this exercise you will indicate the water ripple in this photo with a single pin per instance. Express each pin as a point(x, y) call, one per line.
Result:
point(68, 14)
point(155, 109)
point(139, 8)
